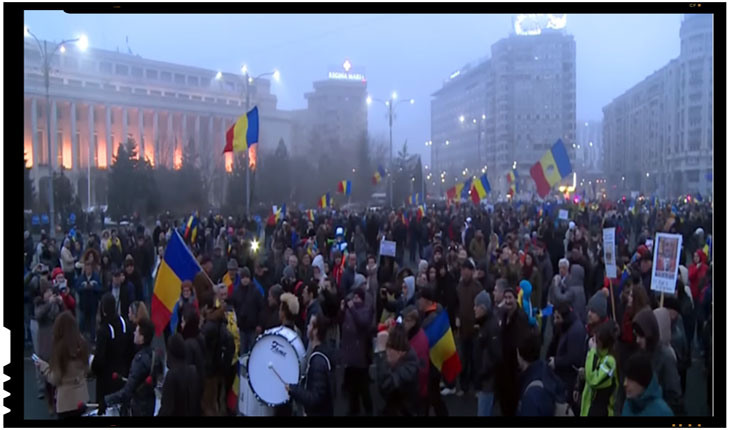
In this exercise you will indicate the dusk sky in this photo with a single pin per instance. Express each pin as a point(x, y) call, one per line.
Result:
point(410, 54)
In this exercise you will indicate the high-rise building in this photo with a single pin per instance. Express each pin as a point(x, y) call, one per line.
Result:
point(99, 98)
point(658, 134)
point(336, 117)
point(506, 111)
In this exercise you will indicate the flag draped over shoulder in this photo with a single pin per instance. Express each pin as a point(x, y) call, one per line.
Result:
point(442, 349)
point(344, 187)
point(378, 175)
point(551, 169)
point(177, 265)
point(243, 133)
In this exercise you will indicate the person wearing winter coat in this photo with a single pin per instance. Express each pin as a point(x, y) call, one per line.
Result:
point(572, 291)
point(67, 368)
point(601, 378)
point(89, 289)
point(478, 248)
point(566, 353)
point(515, 329)
point(112, 351)
point(524, 299)
point(539, 387)
point(47, 306)
point(487, 353)
point(396, 368)
point(354, 351)
point(679, 342)
point(663, 360)
point(467, 291)
point(139, 387)
point(430, 309)
point(531, 273)
point(247, 302)
point(419, 342)
point(181, 391)
point(446, 292)
point(643, 393)
point(316, 395)
point(697, 271)
point(270, 313)
point(545, 267)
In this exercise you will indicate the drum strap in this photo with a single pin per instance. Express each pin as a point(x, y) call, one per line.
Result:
point(309, 362)
point(111, 329)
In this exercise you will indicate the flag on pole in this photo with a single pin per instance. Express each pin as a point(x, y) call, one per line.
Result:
point(421, 211)
point(177, 265)
point(325, 200)
point(191, 229)
point(442, 348)
point(514, 187)
point(466, 189)
point(310, 215)
point(551, 169)
point(379, 175)
point(280, 213)
point(480, 189)
point(344, 187)
point(243, 133)
point(415, 199)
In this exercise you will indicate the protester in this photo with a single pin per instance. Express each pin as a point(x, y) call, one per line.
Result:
point(68, 367)
point(48, 306)
point(643, 393)
point(567, 352)
point(539, 388)
point(419, 342)
point(487, 353)
point(515, 328)
point(396, 367)
point(247, 302)
point(601, 378)
point(355, 343)
point(317, 394)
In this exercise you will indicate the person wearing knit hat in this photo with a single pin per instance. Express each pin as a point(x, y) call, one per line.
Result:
point(643, 393)
point(484, 301)
point(422, 266)
point(597, 310)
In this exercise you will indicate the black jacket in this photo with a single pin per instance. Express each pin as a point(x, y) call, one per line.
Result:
point(136, 390)
point(399, 384)
point(247, 302)
point(181, 392)
point(112, 356)
point(487, 352)
point(317, 394)
point(570, 352)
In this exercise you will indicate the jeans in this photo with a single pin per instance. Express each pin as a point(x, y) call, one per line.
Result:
point(248, 337)
point(485, 402)
point(467, 362)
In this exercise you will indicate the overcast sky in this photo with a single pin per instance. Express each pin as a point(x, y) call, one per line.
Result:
point(411, 54)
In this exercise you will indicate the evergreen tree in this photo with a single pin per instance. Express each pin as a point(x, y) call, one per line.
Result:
point(132, 186)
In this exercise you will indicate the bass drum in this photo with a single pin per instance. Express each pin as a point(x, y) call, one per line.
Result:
point(248, 404)
point(277, 350)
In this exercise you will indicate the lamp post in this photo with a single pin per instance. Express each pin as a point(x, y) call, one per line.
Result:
point(248, 80)
point(391, 106)
point(46, 57)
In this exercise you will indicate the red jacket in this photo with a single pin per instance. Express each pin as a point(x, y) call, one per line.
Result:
point(69, 302)
point(419, 343)
point(697, 272)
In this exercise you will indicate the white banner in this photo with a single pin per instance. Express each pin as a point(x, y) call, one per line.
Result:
point(666, 262)
point(609, 251)
point(563, 214)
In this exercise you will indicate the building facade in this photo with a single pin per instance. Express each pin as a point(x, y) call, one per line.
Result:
point(336, 117)
point(658, 134)
point(100, 98)
point(515, 106)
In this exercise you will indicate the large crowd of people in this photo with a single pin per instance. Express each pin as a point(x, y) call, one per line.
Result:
point(540, 329)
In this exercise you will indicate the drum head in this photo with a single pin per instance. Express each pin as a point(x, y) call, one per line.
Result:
point(274, 349)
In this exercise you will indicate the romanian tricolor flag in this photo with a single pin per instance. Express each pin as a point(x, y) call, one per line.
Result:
point(707, 249)
point(466, 189)
point(310, 215)
point(551, 169)
point(415, 199)
point(228, 282)
point(514, 187)
point(191, 229)
point(344, 187)
point(280, 213)
point(454, 192)
point(442, 349)
point(177, 265)
point(244, 133)
point(480, 189)
point(325, 200)
point(421, 211)
point(379, 175)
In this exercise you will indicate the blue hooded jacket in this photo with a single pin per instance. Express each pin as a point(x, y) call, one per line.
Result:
point(649, 404)
point(539, 401)
point(526, 287)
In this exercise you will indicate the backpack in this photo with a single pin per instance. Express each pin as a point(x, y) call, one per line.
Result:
point(223, 356)
point(562, 408)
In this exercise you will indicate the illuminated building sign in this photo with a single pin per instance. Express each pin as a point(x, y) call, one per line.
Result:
point(533, 24)
point(346, 75)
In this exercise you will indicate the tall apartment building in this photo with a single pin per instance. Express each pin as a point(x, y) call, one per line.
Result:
point(658, 134)
point(336, 117)
point(99, 98)
point(515, 106)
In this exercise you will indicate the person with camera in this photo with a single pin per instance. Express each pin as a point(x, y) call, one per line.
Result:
point(89, 288)
point(48, 305)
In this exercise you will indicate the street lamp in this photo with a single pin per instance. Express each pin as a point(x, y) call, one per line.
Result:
point(247, 81)
point(391, 106)
point(46, 55)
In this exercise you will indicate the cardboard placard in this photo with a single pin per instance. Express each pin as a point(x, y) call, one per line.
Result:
point(563, 214)
point(666, 262)
point(609, 251)
point(387, 247)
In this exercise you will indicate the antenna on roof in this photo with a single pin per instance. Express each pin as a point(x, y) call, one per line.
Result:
point(129, 50)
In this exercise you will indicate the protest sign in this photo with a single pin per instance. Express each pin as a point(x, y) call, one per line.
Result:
point(666, 262)
point(563, 214)
point(387, 247)
point(609, 251)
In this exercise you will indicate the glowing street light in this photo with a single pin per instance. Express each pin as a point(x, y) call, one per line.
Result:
point(474, 120)
point(83, 42)
point(244, 69)
point(394, 95)
point(219, 75)
point(461, 118)
point(62, 49)
point(369, 100)
point(412, 101)
point(254, 245)
point(447, 143)
point(484, 116)
point(26, 32)
point(277, 75)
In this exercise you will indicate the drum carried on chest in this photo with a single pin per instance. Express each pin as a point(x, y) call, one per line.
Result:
point(277, 357)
